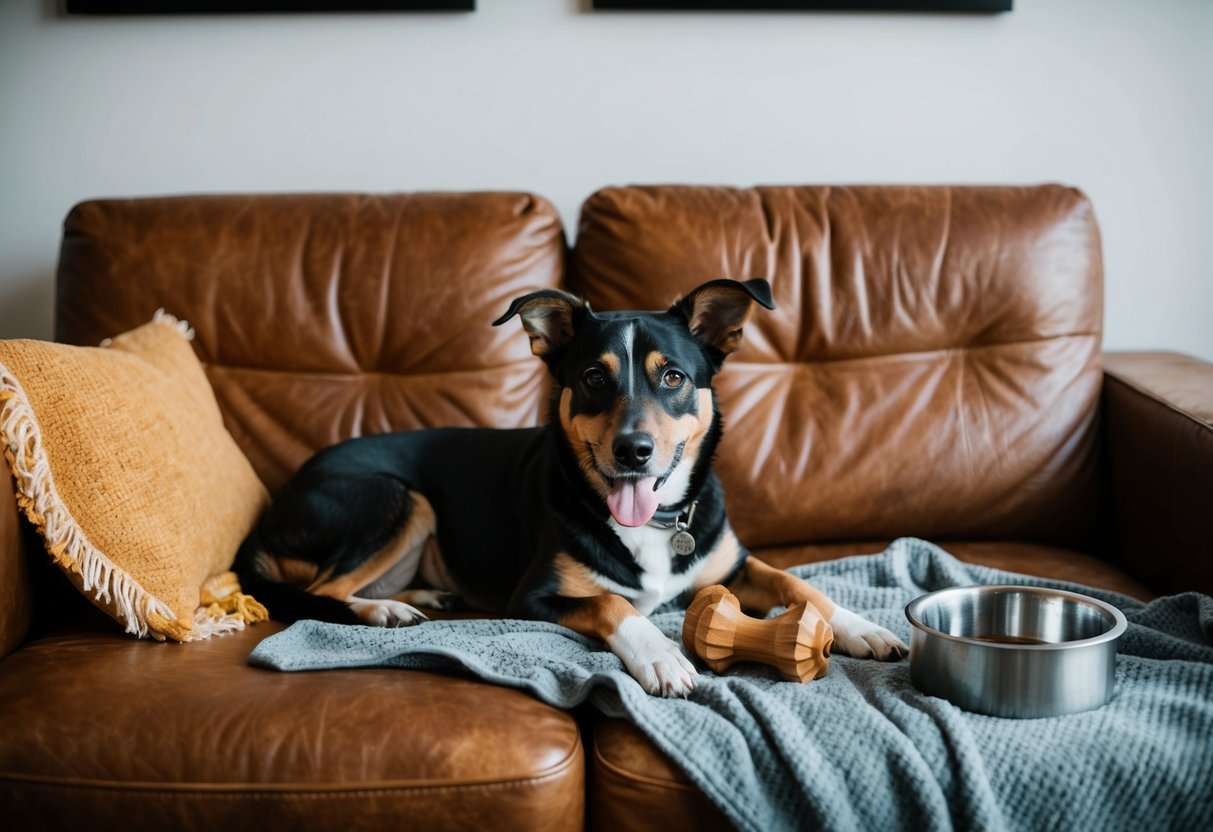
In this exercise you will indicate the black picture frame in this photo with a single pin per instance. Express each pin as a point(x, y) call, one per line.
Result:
point(982, 6)
point(101, 7)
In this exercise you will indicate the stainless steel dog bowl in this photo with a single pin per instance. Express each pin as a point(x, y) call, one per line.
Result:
point(1014, 651)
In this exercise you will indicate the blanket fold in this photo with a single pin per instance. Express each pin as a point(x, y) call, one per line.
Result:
point(861, 748)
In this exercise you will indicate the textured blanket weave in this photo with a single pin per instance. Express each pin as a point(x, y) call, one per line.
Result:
point(862, 749)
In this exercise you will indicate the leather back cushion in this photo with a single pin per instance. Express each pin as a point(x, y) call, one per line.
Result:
point(321, 317)
point(933, 366)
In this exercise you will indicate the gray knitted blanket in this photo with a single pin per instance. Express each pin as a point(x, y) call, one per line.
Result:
point(861, 748)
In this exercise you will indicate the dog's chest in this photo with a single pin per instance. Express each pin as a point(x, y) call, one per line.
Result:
point(650, 548)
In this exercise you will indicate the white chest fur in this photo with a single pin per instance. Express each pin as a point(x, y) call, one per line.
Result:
point(650, 548)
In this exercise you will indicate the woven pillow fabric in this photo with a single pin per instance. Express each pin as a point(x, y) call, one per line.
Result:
point(122, 462)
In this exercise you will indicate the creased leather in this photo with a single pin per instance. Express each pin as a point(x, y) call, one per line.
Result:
point(190, 734)
point(636, 788)
point(325, 316)
point(1026, 558)
point(932, 368)
point(1158, 431)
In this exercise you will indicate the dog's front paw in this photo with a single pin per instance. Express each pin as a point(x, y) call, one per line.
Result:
point(855, 636)
point(654, 661)
point(386, 613)
point(436, 599)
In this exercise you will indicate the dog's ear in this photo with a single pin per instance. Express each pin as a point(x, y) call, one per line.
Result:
point(550, 317)
point(717, 311)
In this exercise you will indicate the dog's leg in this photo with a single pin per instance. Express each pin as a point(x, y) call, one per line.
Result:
point(424, 559)
point(435, 599)
point(385, 612)
point(856, 636)
point(760, 587)
point(653, 660)
point(373, 588)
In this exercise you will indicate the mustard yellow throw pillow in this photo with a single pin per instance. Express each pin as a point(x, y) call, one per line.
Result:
point(121, 460)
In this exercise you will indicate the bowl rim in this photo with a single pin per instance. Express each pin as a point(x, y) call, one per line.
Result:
point(1119, 622)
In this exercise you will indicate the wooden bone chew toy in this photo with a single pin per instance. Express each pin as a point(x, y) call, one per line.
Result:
point(797, 642)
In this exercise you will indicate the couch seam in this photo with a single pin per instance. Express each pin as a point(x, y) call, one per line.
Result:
point(307, 790)
point(649, 780)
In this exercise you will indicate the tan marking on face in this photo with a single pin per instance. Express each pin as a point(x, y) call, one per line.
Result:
point(599, 616)
point(575, 579)
point(595, 431)
point(703, 422)
point(670, 431)
point(415, 532)
point(598, 432)
point(654, 364)
point(720, 561)
point(611, 362)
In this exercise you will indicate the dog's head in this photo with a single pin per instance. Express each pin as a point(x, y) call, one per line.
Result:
point(634, 389)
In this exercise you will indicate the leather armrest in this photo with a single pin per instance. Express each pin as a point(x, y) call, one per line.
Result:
point(16, 590)
point(1158, 434)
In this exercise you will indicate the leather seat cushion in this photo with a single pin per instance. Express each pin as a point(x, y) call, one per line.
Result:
point(635, 786)
point(129, 732)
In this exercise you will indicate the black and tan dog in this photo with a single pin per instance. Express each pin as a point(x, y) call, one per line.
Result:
point(591, 521)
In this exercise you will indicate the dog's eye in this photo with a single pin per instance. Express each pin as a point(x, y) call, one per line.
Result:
point(672, 378)
point(595, 378)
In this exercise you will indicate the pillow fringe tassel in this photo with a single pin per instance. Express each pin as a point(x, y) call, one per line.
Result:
point(142, 613)
point(224, 607)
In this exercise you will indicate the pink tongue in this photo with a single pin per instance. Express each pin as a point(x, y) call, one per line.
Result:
point(633, 502)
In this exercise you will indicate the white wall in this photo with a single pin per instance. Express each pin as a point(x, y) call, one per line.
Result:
point(1110, 95)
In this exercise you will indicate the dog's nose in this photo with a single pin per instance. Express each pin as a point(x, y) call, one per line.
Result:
point(633, 450)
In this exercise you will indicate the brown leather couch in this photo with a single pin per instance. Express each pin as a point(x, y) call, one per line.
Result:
point(933, 368)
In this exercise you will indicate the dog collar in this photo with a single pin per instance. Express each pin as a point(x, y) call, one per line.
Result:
point(666, 518)
point(682, 542)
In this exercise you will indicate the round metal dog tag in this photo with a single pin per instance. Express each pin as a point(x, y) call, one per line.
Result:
point(682, 543)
